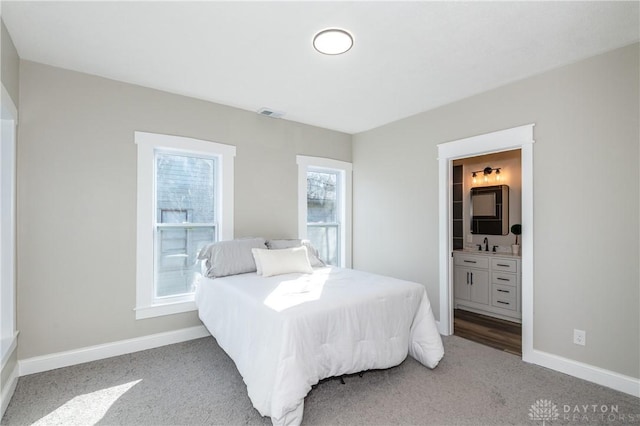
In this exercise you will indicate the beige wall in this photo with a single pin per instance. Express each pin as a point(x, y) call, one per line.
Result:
point(586, 200)
point(77, 197)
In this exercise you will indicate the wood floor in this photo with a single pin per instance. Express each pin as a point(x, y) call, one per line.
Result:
point(494, 332)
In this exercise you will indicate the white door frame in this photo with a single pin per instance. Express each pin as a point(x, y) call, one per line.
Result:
point(503, 140)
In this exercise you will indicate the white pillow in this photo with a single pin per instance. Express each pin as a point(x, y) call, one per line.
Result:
point(284, 261)
point(256, 258)
point(314, 258)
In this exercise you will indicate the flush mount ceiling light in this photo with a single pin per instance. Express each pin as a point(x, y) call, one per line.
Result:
point(332, 41)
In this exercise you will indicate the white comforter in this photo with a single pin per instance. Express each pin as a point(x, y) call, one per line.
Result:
point(286, 333)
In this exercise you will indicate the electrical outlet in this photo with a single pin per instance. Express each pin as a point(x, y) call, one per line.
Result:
point(579, 337)
point(469, 238)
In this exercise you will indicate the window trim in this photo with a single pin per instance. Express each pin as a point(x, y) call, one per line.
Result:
point(8, 128)
point(147, 305)
point(305, 164)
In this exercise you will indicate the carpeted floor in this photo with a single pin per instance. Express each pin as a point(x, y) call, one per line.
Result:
point(195, 383)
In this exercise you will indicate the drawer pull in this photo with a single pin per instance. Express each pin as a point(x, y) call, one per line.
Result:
point(503, 265)
point(504, 303)
point(470, 261)
point(503, 279)
point(503, 291)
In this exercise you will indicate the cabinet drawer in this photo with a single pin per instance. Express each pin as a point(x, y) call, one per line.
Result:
point(504, 278)
point(472, 261)
point(506, 265)
point(504, 297)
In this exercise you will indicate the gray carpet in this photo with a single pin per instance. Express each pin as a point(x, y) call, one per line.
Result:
point(195, 383)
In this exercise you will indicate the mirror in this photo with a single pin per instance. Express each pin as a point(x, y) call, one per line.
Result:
point(490, 210)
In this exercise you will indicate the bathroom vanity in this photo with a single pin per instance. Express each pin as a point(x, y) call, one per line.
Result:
point(488, 283)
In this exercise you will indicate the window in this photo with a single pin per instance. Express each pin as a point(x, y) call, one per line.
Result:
point(185, 201)
point(324, 207)
point(323, 213)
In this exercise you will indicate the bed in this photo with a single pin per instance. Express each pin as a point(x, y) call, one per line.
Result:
point(287, 332)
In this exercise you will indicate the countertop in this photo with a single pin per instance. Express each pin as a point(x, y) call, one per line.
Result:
point(487, 253)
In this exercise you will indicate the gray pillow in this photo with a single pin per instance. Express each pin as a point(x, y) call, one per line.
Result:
point(230, 257)
point(283, 244)
point(314, 258)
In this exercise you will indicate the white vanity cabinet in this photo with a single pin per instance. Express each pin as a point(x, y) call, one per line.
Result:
point(471, 280)
point(488, 283)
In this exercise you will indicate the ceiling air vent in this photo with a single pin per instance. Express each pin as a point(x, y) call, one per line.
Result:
point(270, 113)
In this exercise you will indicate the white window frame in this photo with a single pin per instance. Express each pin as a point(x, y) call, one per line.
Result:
point(8, 332)
point(147, 304)
point(306, 164)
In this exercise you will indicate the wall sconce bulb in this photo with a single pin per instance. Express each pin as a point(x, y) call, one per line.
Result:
point(486, 173)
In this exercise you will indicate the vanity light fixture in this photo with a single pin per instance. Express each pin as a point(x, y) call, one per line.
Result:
point(486, 172)
point(332, 41)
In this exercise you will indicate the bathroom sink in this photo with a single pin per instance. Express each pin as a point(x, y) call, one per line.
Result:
point(470, 250)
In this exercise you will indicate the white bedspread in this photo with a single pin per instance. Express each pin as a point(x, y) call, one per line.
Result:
point(286, 333)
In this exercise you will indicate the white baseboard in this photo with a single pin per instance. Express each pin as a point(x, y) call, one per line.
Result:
point(611, 379)
point(8, 389)
point(93, 353)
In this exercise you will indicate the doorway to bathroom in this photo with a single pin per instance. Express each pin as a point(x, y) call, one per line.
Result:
point(479, 271)
point(486, 206)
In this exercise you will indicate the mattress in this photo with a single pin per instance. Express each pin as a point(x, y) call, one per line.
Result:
point(286, 333)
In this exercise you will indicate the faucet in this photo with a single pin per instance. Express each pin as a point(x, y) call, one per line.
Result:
point(486, 244)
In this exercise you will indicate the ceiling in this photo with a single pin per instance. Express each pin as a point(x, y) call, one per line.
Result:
point(407, 57)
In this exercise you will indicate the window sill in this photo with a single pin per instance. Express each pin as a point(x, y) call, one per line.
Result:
point(159, 310)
